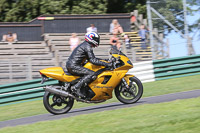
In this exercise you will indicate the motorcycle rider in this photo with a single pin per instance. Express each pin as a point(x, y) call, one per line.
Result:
point(81, 53)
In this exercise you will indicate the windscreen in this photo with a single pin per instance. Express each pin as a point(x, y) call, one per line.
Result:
point(116, 51)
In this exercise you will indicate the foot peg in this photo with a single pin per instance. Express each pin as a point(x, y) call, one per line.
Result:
point(78, 92)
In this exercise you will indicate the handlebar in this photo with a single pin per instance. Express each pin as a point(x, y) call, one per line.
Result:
point(114, 60)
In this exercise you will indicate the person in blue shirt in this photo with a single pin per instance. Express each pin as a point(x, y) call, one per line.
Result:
point(142, 33)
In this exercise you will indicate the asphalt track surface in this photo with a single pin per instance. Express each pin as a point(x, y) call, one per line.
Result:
point(99, 108)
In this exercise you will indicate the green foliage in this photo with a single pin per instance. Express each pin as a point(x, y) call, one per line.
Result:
point(90, 7)
point(26, 10)
point(171, 10)
point(126, 6)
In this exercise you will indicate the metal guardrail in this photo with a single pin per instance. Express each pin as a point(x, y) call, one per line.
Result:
point(23, 90)
point(176, 67)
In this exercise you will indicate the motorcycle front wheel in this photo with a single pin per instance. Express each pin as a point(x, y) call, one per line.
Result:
point(132, 94)
point(56, 104)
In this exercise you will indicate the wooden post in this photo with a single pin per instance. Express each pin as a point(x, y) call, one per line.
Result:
point(136, 21)
point(155, 30)
point(124, 48)
point(162, 45)
point(133, 54)
point(167, 44)
point(145, 22)
point(29, 65)
point(10, 72)
point(141, 19)
point(56, 57)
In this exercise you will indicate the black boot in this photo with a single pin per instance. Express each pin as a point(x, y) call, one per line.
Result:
point(77, 89)
point(81, 91)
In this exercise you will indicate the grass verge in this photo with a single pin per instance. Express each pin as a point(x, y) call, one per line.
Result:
point(150, 89)
point(180, 116)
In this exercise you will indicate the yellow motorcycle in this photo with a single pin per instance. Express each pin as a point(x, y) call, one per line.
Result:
point(59, 99)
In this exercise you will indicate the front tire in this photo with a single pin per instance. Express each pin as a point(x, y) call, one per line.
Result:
point(56, 104)
point(131, 95)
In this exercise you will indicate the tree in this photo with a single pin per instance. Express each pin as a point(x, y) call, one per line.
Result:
point(197, 4)
point(173, 12)
point(26, 10)
point(89, 7)
point(126, 6)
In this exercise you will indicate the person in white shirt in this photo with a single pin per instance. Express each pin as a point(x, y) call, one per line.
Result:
point(115, 27)
point(92, 28)
point(74, 41)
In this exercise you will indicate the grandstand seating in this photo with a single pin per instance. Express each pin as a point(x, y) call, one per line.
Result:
point(22, 59)
point(58, 43)
point(140, 54)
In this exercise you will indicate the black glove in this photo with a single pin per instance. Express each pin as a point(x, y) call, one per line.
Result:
point(106, 59)
point(110, 66)
point(114, 59)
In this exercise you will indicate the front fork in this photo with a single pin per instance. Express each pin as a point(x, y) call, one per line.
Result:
point(127, 87)
point(125, 83)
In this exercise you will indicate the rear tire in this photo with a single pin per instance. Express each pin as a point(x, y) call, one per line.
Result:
point(133, 94)
point(56, 104)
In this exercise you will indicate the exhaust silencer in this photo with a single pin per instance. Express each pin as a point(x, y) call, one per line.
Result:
point(53, 89)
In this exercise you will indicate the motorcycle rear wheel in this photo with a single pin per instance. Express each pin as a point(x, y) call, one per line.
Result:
point(133, 94)
point(56, 104)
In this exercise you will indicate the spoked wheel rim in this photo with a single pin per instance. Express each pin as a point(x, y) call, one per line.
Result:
point(131, 95)
point(56, 104)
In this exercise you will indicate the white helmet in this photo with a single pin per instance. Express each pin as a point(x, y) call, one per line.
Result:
point(92, 38)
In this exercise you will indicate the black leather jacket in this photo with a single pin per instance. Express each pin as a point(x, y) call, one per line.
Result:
point(81, 53)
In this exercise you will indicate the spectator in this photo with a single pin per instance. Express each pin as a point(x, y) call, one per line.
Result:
point(115, 27)
point(133, 19)
point(142, 33)
point(127, 41)
point(10, 37)
point(74, 41)
point(114, 41)
point(92, 28)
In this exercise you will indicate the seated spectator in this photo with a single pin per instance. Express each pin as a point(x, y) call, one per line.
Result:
point(10, 37)
point(115, 27)
point(142, 33)
point(74, 41)
point(92, 28)
point(114, 41)
point(127, 41)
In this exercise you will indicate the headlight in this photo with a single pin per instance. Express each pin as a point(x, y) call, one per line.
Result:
point(129, 62)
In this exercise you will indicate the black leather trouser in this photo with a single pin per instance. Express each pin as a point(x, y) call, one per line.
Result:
point(88, 75)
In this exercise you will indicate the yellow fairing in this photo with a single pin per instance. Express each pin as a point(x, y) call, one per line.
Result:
point(101, 87)
point(58, 73)
point(125, 59)
point(104, 91)
point(127, 76)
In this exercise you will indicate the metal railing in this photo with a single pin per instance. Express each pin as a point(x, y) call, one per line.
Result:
point(15, 69)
